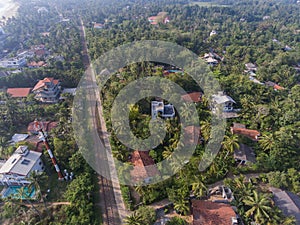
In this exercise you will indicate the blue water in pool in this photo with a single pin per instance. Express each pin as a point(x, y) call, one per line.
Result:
point(13, 190)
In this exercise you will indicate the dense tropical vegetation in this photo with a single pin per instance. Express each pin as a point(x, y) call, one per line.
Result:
point(264, 32)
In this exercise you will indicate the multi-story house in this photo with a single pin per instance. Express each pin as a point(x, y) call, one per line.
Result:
point(47, 90)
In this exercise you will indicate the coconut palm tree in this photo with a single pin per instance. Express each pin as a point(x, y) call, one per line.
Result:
point(22, 194)
point(230, 143)
point(133, 219)
point(205, 129)
point(168, 150)
point(139, 189)
point(37, 180)
point(259, 207)
point(176, 221)
point(3, 144)
point(289, 221)
point(267, 141)
point(182, 206)
point(198, 186)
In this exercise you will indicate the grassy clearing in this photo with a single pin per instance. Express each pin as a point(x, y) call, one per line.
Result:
point(57, 189)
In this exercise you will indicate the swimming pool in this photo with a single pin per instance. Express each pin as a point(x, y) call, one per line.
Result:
point(13, 190)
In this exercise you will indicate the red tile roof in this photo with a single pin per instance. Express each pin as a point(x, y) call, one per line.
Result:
point(252, 134)
point(144, 166)
point(153, 20)
point(18, 92)
point(212, 213)
point(277, 87)
point(34, 140)
point(192, 97)
point(47, 126)
point(98, 25)
point(42, 83)
point(36, 64)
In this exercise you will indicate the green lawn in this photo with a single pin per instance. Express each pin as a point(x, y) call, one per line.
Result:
point(57, 189)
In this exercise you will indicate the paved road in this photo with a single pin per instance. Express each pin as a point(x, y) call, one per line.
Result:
point(111, 202)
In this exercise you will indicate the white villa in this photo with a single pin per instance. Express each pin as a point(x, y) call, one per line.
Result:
point(167, 111)
point(226, 100)
point(19, 166)
point(16, 62)
point(47, 90)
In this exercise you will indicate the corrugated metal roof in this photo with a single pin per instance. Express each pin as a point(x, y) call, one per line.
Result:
point(288, 202)
point(220, 99)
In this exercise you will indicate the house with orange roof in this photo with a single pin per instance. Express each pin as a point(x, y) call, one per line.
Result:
point(153, 20)
point(47, 90)
point(162, 17)
point(46, 125)
point(144, 167)
point(18, 92)
point(275, 86)
point(98, 26)
point(241, 129)
point(35, 64)
point(192, 97)
point(213, 213)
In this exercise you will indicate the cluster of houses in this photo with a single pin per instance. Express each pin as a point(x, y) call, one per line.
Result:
point(15, 171)
point(24, 58)
point(216, 209)
point(47, 90)
point(243, 155)
point(251, 70)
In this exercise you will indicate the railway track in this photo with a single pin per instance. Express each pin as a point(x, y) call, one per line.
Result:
point(109, 208)
point(108, 198)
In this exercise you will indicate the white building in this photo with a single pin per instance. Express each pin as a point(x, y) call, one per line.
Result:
point(167, 111)
point(16, 62)
point(226, 100)
point(19, 166)
point(18, 138)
